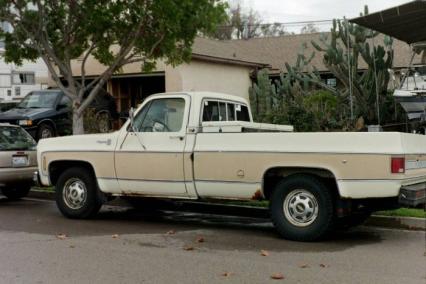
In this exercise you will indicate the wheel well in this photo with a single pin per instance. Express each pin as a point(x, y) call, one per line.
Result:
point(56, 168)
point(274, 175)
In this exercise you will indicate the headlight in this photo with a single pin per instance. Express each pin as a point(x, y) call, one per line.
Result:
point(27, 122)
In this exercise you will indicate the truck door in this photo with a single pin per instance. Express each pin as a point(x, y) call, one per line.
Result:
point(149, 159)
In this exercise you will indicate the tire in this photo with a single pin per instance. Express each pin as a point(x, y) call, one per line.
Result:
point(45, 131)
point(302, 208)
point(16, 192)
point(77, 194)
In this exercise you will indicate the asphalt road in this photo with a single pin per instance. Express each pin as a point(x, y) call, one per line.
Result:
point(38, 245)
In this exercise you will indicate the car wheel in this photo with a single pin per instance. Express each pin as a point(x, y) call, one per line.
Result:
point(45, 131)
point(302, 208)
point(16, 192)
point(77, 194)
point(104, 122)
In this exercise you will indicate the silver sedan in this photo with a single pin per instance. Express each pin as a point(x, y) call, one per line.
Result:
point(18, 161)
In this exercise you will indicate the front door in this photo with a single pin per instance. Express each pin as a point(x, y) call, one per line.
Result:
point(149, 159)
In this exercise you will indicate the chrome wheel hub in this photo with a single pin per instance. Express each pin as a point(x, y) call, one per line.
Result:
point(74, 193)
point(300, 208)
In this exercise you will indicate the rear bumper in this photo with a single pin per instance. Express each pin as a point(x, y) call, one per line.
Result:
point(412, 195)
point(16, 175)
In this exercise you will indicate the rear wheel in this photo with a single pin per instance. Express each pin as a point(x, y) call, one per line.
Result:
point(302, 208)
point(77, 194)
point(16, 192)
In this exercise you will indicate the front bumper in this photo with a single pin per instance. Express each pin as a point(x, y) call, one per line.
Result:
point(412, 195)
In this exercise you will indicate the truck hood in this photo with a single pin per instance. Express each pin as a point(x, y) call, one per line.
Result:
point(84, 143)
point(24, 113)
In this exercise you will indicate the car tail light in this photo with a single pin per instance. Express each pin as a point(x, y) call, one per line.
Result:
point(398, 165)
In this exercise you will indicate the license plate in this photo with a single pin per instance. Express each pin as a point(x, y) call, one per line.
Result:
point(19, 161)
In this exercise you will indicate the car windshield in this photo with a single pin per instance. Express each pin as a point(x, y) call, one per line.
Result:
point(39, 100)
point(15, 138)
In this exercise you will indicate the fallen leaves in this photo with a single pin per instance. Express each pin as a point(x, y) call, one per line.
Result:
point(61, 236)
point(277, 276)
point(264, 252)
point(324, 265)
point(72, 246)
point(200, 240)
point(227, 274)
point(304, 265)
point(115, 236)
point(171, 232)
point(188, 248)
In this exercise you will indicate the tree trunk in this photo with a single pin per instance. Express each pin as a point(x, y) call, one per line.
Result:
point(77, 124)
point(77, 119)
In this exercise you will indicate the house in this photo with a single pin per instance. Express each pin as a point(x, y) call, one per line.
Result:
point(17, 81)
point(207, 71)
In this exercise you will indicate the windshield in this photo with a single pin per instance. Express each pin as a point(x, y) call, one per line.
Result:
point(39, 100)
point(15, 138)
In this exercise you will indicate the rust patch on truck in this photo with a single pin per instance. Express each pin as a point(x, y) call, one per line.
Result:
point(257, 195)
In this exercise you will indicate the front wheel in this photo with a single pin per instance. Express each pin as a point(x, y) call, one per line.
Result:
point(77, 194)
point(302, 208)
point(16, 192)
point(45, 131)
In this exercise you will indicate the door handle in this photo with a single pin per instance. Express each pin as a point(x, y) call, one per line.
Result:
point(180, 137)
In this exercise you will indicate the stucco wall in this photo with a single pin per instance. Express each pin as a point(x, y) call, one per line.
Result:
point(209, 76)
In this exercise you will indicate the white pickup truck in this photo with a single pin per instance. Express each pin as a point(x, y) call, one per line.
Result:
point(203, 146)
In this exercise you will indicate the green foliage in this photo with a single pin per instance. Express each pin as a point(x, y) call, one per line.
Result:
point(115, 33)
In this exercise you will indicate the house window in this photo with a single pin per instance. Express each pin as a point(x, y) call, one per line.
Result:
point(332, 82)
point(23, 78)
point(17, 91)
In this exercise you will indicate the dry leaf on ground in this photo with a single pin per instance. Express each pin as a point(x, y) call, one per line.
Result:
point(171, 232)
point(188, 248)
point(226, 274)
point(61, 236)
point(324, 265)
point(304, 265)
point(200, 240)
point(115, 236)
point(277, 276)
point(264, 253)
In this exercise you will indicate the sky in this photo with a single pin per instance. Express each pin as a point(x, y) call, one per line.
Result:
point(313, 10)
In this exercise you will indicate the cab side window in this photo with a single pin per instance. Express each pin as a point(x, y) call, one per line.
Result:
point(161, 115)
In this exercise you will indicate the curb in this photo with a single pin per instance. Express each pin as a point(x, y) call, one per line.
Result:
point(402, 223)
point(394, 222)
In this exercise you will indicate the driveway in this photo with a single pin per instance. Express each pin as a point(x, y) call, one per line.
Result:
point(38, 245)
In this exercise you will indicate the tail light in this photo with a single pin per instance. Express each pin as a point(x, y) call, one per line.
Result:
point(397, 165)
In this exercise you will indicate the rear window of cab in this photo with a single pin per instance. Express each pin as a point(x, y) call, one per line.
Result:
point(215, 110)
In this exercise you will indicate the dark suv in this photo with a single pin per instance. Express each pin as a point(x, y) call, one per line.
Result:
point(48, 113)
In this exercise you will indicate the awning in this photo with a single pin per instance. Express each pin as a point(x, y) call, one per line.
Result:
point(406, 22)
